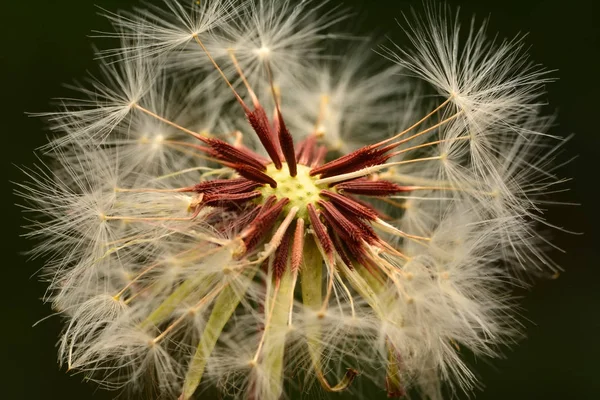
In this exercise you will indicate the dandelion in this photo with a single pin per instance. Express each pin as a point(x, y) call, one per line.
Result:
point(236, 206)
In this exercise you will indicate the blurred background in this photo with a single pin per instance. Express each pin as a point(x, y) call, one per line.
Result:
point(46, 43)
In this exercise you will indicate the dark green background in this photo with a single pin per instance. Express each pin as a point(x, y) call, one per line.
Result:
point(44, 44)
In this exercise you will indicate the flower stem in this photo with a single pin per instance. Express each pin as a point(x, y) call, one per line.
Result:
point(311, 275)
point(312, 297)
point(311, 278)
point(275, 337)
point(187, 288)
point(225, 305)
point(393, 372)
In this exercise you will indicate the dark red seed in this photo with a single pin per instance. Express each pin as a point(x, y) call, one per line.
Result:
point(367, 156)
point(356, 251)
point(380, 214)
point(338, 162)
point(226, 152)
point(319, 158)
point(267, 204)
point(282, 255)
point(320, 231)
point(243, 220)
point(264, 160)
point(235, 185)
point(350, 228)
point(369, 234)
point(253, 174)
point(367, 187)
point(242, 187)
point(269, 213)
point(308, 150)
point(228, 199)
point(287, 145)
point(275, 135)
point(350, 205)
point(299, 148)
point(263, 223)
point(339, 248)
point(260, 123)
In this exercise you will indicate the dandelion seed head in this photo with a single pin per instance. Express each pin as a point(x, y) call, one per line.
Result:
point(235, 205)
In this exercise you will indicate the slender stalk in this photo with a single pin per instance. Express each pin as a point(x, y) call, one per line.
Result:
point(168, 122)
point(311, 275)
point(222, 310)
point(393, 380)
point(424, 131)
point(312, 297)
point(214, 63)
point(324, 101)
point(179, 295)
point(243, 77)
point(396, 153)
point(273, 348)
point(370, 170)
point(363, 286)
point(419, 122)
point(384, 226)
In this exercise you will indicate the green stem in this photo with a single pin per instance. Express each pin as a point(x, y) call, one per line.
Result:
point(362, 286)
point(312, 297)
point(393, 376)
point(165, 310)
point(311, 280)
point(196, 286)
point(269, 381)
point(311, 275)
point(224, 306)
point(275, 335)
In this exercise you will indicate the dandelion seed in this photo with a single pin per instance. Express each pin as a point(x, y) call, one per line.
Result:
point(233, 208)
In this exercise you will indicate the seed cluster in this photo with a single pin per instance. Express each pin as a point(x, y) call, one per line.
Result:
point(239, 206)
point(342, 223)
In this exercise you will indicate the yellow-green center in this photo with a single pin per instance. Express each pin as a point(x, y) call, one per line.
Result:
point(300, 189)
